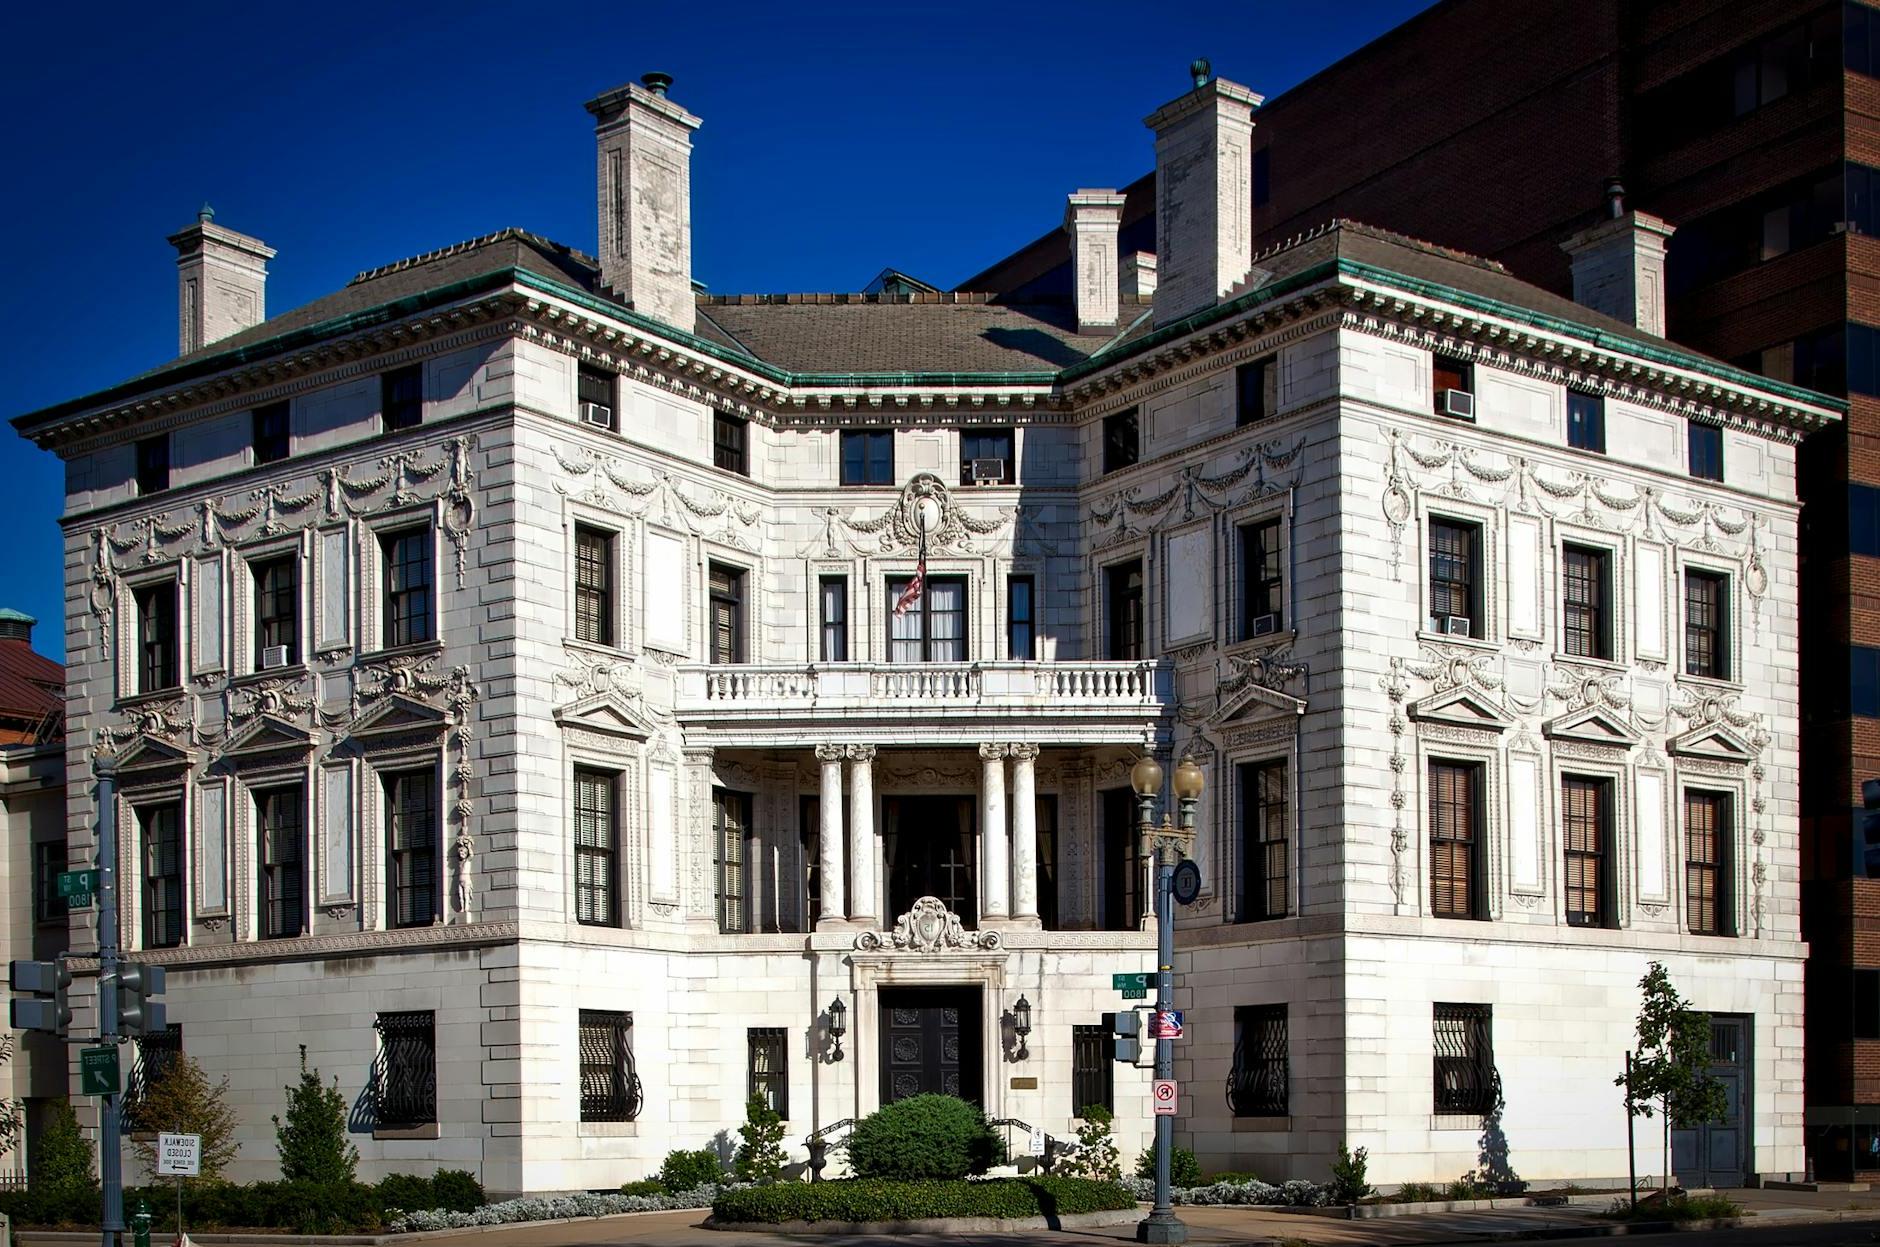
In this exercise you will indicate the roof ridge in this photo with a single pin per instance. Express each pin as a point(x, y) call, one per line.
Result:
point(1420, 244)
point(814, 298)
point(510, 234)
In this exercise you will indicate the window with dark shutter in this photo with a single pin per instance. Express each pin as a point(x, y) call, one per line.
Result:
point(1707, 843)
point(153, 465)
point(1586, 835)
point(1455, 840)
point(770, 1067)
point(412, 831)
point(726, 585)
point(1253, 391)
point(1586, 594)
point(731, 816)
point(1706, 450)
point(1586, 422)
point(596, 849)
point(1093, 1079)
point(404, 1076)
point(272, 441)
point(1258, 1080)
point(1706, 625)
point(279, 812)
point(1264, 839)
point(408, 583)
point(163, 874)
point(1465, 1060)
point(593, 585)
point(610, 1086)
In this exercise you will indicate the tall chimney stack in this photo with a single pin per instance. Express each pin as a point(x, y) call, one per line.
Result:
point(1092, 218)
point(644, 172)
point(1203, 194)
point(1619, 264)
point(222, 282)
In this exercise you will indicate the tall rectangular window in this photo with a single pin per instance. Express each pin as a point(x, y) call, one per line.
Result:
point(1264, 837)
point(726, 590)
point(401, 398)
point(933, 629)
point(1465, 1059)
point(1706, 447)
point(868, 456)
point(1586, 422)
point(1257, 1082)
point(833, 596)
point(610, 1086)
point(1586, 595)
point(1262, 604)
point(1021, 619)
point(1093, 1070)
point(1866, 994)
point(1863, 520)
point(1586, 834)
point(809, 846)
point(411, 842)
point(731, 817)
point(1456, 883)
point(404, 1075)
point(1863, 681)
point(1047, 829)
point(162, 827)
point(48, 865)
point(277, 612)
point(1122, 862)
point(153, 464)
point(1708, 838)
point(730, 437)
point(596, 849)
point(594, 388)
point(1253, 391)
point(278, 811)
point(1455, 578)
point(408, 583)
point(272, 441)
point(769, 1057)
point(156, 637)
point(593, 585)
point(1707, 625)
point(1447, 373)
point(1123, 610)
point(1122, 440)
point(987, 455)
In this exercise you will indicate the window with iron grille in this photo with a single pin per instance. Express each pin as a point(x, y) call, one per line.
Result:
point(1465, 1059)
point(594, 388)
point(1257, 1083)
point(1586, 592)
point(868, 456)
point(730, 435)
point(1263, 840)
point(1122, 440)
point(1123, 603)
point(1586, 422)
point(277, 608)
point(1456, 841)
point(1706, 625)
point(48, 864)
point(156, 637)
point(407, 557)
point(401, 398)
point(280, 829)
point(610, 1087)
point(770, 1067)
point(596, 848)
point(153, 465)
point(272, 442)
point(411, 823)
point(833, 592)
point(404, 1076)
point(727, 613)
point(1455, 576)
point(1586, 834)
point(1093, 1078)
point(152, 1057)
point(1708, 838)
point(1260, 579)
point(1253, 390)
point(731, 815)
point(593, 585)
point(1021, 618)
point(163, 874)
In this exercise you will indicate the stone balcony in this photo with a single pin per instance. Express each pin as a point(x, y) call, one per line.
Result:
point(772, 705)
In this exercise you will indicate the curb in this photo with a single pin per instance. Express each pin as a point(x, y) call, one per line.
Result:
point(1607, 1230)
point(221, 1238)
point(936, 1225)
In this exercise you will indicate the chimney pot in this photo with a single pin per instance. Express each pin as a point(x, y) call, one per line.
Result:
point(1615, 199)
point(657, 83)
point(221, 282)
point(643, 152)
point(1203, 195)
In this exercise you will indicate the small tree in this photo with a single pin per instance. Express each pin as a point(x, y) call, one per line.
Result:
point(312, 1141)
point(1672, 1064)
point(60, 1159)
point(182, 1100)
point(1095, 1157)
point(760, 1156)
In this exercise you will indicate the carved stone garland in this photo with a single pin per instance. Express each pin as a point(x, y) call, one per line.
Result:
point(928, 927)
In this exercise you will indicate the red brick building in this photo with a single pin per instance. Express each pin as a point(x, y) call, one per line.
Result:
point(1754, 127)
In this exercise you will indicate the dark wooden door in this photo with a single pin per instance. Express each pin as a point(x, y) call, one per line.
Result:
point(931, 850)
point(1717, 1154)
point(930, 1044)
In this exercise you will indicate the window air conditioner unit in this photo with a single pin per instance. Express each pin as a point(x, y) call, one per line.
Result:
point(1266, 625)
point(273, 656)
point(988, 471)
point(1457, 625)
point(1457, 403)
point(598, 414)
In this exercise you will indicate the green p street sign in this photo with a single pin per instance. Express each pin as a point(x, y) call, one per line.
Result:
point(98, 1071)
point(78, 883)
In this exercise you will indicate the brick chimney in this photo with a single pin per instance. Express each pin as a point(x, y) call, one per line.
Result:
point(1203, 194)
point(1619, 264)
point(1092, 219)
point(1138, 276)
point(644, 175)
point(221, 282)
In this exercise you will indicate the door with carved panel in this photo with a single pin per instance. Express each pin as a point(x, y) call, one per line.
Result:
point(930, 1044)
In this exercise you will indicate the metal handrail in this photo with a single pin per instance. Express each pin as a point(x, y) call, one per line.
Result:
point(819, 1145)
point(1053, 1145)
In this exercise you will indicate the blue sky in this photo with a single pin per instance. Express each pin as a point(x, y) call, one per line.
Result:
point(837, 139)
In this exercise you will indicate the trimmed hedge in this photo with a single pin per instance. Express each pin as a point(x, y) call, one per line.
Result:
point(876, 1199)
point(924, 1137)
point(299, 1207)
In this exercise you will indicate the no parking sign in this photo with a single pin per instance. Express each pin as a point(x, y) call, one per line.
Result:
point(1162, 1092)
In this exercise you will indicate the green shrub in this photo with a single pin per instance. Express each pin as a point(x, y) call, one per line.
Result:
point(1676, 1208)
point(407, 1192)
point(645, 1186)
point(1417, 1193)
point(873, 1199)
point(687, 1171)
point(1183, 1168)
point(312, 1141)
point(457, 1190)
point(924, 1136)
point(61, 1158)
point(1468, 1186)
point(760, 1156)
point(1236, 1177)
point(1095, 1157)
point(1348, 1184)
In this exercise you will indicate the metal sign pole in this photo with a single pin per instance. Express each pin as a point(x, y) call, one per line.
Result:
point(110, 1142)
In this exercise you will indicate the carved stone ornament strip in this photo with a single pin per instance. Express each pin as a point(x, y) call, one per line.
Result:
point(928, 927)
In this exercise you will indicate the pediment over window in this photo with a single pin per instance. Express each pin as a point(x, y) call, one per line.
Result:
point(399, 715)
point(1715, 743)
point(606, 712)
point(1462, 707)
point(147, 755)
point(1253, 702)
point(268, 735)
point(1591, 726)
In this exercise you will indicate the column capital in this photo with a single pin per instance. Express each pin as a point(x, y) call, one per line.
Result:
point(1024, 751)
point(861, 753)
point(697, 755)
point(831, 753)
point(992, 752)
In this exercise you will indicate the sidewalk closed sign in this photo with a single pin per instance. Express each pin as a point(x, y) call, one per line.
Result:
point(179, 1155)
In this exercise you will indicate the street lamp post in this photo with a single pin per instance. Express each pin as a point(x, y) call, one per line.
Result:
point(1166, 845)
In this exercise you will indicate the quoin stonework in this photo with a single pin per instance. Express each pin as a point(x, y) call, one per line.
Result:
point(519, 696)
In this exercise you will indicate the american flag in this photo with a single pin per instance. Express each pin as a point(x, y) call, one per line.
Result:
point(910, 596)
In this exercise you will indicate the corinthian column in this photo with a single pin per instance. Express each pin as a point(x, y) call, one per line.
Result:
point(862, 841)
point(995, 861)
point(1025, 834)
point(829, 844)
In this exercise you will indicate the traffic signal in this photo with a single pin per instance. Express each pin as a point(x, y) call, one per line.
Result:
point(41, 979)
point(1128, 1029)
point(137, 1013)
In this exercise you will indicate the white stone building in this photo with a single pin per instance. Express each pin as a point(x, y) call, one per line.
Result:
point(500, 663)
